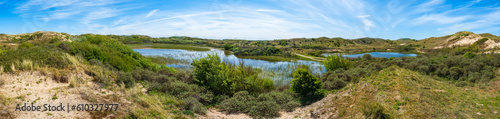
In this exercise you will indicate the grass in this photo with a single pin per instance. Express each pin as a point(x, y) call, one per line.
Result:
point(167, 46)
point(153, 105)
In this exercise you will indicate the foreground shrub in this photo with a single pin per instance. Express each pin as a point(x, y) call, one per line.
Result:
point(281, 98)
point(265, 109)
point(304, 82)
point(336, 83)
point(240, 102)
point(290, 106)
point(192, 104)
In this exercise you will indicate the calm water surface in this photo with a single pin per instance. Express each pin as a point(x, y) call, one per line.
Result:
point(275, 70)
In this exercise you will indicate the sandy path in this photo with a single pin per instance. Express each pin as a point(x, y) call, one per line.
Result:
point(319, 59)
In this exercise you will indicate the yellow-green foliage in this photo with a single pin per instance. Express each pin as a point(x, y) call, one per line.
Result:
point(222, 78)
point(334, 62)
point(401, 93)
point(304, 82)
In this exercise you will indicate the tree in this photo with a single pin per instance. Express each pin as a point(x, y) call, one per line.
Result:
point(334, 62)
point(304, 82)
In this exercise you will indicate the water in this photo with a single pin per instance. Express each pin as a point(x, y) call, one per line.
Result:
point(375, 54)
point(278, 71)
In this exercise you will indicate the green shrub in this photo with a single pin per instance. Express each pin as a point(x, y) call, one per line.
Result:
point(304, 82)
point(334, 84)
point(192, 104)
point(469, 55)
point(240, 102)
point(367, 56)
point(222, 78)
point(334, 62)
point(126, 78)
point(290, 106)
point(265, 109)
point(46, 55)
point(281, 98)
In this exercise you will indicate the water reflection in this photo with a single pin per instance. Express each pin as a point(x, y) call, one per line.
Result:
point(276, 70)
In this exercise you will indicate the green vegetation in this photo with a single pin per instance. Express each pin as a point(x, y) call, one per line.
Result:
point(167, 46)
point(222, 78)
point(304, 82)
point(334, 62)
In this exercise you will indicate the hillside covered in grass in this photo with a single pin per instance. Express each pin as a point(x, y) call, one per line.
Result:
point(395, 92)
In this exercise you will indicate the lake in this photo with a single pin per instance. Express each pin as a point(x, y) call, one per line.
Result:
point(278, 71)
point(375, 54)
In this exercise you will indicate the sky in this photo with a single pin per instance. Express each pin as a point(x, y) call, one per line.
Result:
point(253, 19)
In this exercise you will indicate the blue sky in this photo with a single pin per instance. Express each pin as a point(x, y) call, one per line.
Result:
point(253, 19)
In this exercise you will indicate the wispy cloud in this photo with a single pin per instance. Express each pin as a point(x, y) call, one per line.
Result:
point(152, 12)
point(276, 19)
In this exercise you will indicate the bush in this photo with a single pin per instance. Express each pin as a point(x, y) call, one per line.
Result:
point(126, 78)
point(221, 78)
point(334, 84)
point(304, 82)
point(334, 62)
point(469, 55)
point(192, 104)
point(281, 98)
point(367, 56)
point(240, 102)
point(265, 109)
point(290, 106)
point(44, 56)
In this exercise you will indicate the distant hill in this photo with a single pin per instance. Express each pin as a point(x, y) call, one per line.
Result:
point(462, 39)
point(36, 37)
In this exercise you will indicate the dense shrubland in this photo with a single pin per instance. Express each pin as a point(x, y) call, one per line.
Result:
point(468, 68)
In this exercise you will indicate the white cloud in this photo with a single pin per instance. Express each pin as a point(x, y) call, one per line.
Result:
point(368, 23)
point(152, 12)
point(440, 19)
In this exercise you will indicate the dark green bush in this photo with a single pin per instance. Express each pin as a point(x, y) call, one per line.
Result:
point(240, 102)
point(265, 109)
point(126, 78)
point(192, 104)
point(290, 106)
point(337, 83)
point(281, 98)
point(367, 56)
